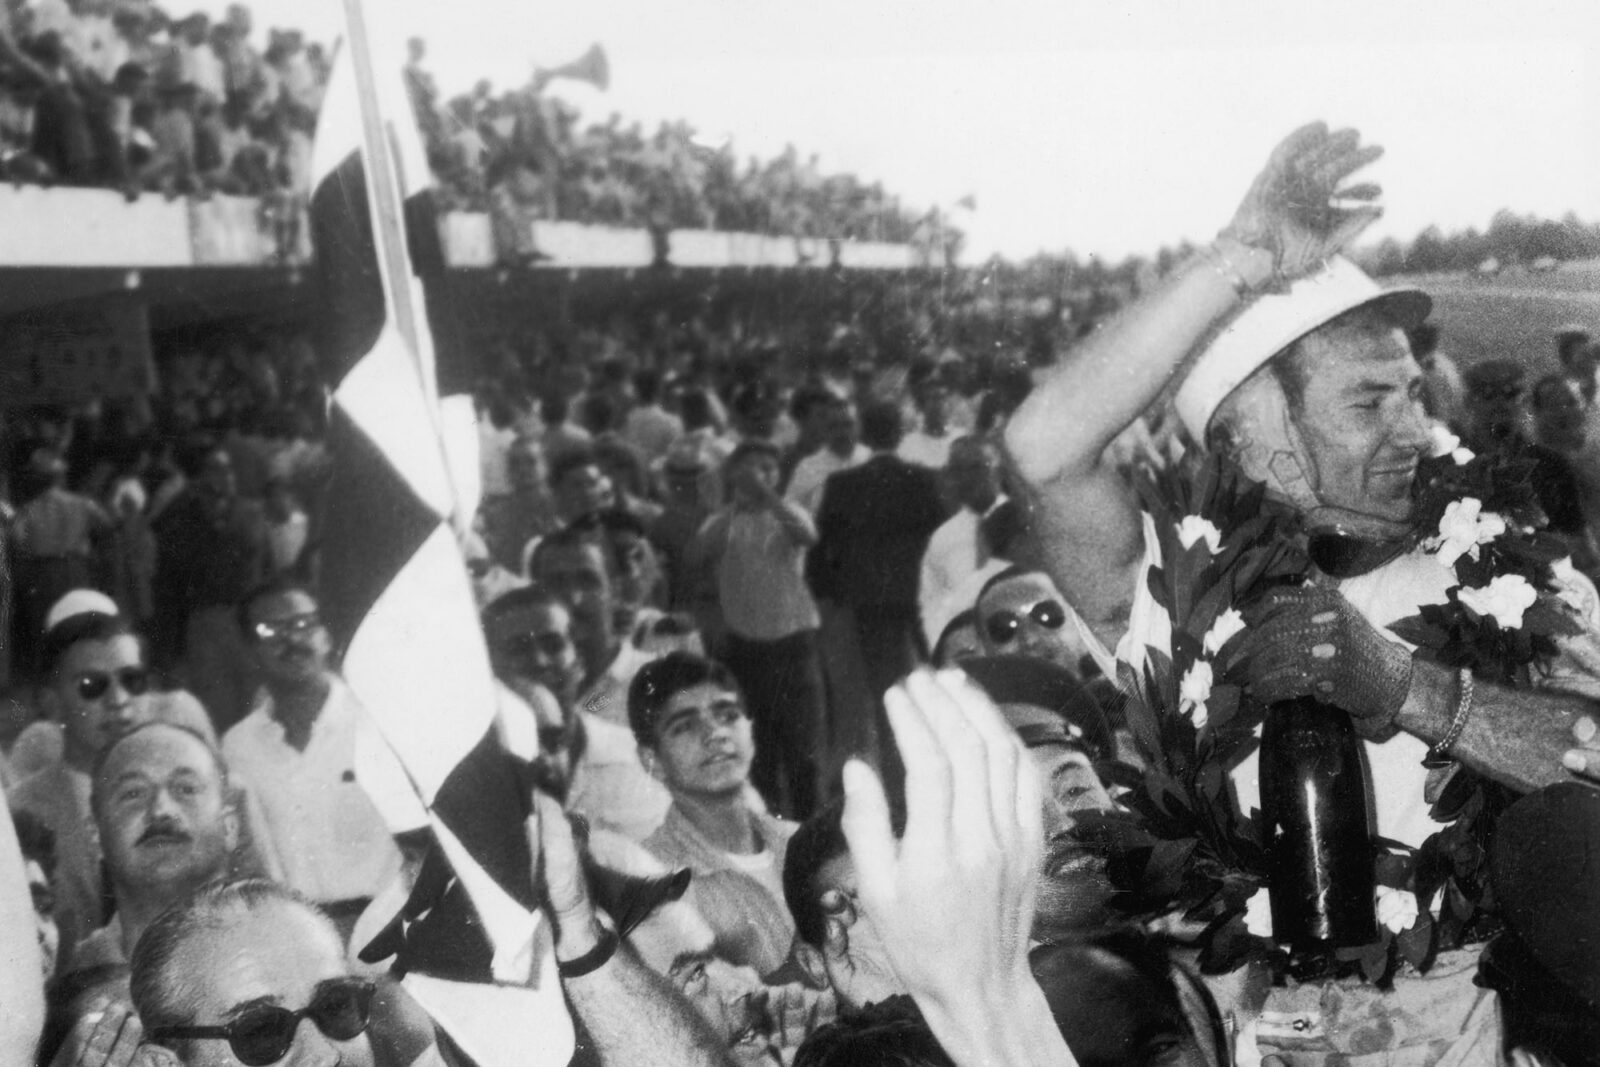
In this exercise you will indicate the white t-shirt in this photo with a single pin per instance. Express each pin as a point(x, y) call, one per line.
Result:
point(329, 838)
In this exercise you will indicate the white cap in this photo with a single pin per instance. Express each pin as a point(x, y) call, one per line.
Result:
point(79, 602)
point(1274, 321)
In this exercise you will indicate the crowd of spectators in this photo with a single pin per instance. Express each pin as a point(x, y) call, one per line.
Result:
point(122, 94)
point(125, 95)
point(525, 151)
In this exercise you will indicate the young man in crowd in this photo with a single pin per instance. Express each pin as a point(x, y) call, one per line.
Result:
point(296, 751)
point(694, 735)
point(756, 545)
point(589, 762)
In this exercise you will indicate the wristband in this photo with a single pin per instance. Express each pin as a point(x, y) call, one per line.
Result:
point(592, 960)
point(1439, 755)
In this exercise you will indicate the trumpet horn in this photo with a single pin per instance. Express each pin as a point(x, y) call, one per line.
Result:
point(591, 67)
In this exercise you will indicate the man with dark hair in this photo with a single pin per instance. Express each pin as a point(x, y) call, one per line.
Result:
point(756, 545)
point(579, 485)
point(891, 1033)
point(559, 435)
point(296, 749)
point(929, 444)
point(589, 763)
point(213, 548)
point(695, 737)
point(839, 450)
point(576, 565)
point(98, 688)
point(1021, 613)
point(962, 549)
point(808, 410)
point(511, 520)
point(649, 427)
point(873, 527)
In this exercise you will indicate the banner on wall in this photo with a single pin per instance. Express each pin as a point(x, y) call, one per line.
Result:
point(72, 353)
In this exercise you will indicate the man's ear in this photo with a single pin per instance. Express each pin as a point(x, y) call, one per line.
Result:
point(652, 766)
point(230, 823)
point(808, 958)
point(148, 1055)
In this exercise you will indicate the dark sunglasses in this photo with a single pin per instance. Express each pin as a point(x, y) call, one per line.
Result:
point(263, 1035)
point(1002, 626)
point(95, 684)
point(267, 630)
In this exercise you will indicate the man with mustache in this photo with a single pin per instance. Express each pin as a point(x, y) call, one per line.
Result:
point(165, 817)
point(296, 749)
point(689, 717)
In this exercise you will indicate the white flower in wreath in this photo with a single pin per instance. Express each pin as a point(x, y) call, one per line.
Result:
point(1504, 599)
point(1397, 909)
point(1228, 624)
point(1193, 528)
point(1463, 527)
point(1446, 443)
point(1258, 913)
point(1193, 692)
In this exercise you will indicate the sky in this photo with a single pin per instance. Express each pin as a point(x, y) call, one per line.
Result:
point(1107, 127)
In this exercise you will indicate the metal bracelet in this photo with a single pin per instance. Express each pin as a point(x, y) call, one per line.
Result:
point(1439, 755)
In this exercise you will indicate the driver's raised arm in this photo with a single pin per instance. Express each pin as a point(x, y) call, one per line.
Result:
point(1293, 218)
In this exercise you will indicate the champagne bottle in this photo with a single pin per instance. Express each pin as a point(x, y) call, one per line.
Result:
point(1314, 801)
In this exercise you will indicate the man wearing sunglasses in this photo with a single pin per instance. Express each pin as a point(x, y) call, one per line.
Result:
point(1021, 613)
point(588, 763)
point(296, 749)
point(98, 689)
point(253, 974)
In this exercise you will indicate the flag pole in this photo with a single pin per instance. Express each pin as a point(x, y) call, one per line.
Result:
point(387, 205)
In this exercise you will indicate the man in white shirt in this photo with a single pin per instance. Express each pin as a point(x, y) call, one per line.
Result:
point(961, 549)
point(840, 451)
point(590, 764)
point(695, 736)
point(296, 749)
point(929, 445)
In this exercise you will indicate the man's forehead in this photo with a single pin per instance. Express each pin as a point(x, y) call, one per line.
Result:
point(122, 650)
point(158, 747)
point(283, 605)
point(1022, 587)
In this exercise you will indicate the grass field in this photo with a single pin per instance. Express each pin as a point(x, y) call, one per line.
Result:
point(1513, 315)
